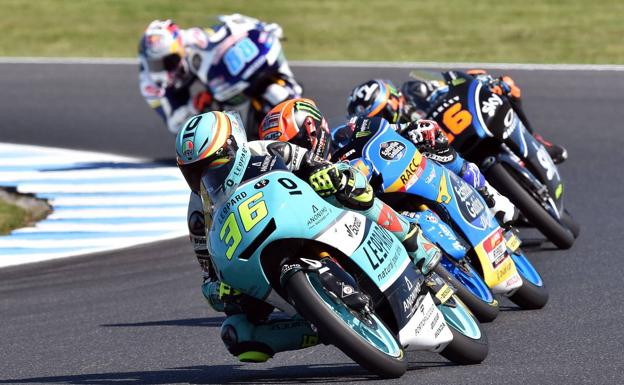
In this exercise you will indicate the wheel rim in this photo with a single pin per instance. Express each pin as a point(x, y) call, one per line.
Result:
point(460, 319)
point(471, 280)
point(526, 269)
point(373, 332)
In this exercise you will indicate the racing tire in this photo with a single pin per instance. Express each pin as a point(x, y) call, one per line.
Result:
point(483, 311)
point(530, 296)
point(507, 185)
point(463, 349)
point(573, 225)
point(317, 306)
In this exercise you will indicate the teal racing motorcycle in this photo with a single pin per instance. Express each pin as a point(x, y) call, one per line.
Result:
point(276, 240)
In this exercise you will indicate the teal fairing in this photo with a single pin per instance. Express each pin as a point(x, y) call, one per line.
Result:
point(244, 217)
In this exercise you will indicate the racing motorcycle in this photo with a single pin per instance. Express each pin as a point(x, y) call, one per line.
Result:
point(246, 70)
point(485, 129)
point(275, 239)
point(485, 258)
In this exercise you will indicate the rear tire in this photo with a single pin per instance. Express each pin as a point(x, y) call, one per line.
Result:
point(315, 307)
point(464, 350)
point(507, 185)
point(484, 311)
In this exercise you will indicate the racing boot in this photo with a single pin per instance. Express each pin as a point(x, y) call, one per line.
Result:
point(501, 207)
point(424, 254)
point(259, 341)
point(558, 153)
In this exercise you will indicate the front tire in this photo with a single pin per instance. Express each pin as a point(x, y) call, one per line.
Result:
point(532, 294)
point(469, 345)
point(484, 311)
point(373, 345)
point(507, 185)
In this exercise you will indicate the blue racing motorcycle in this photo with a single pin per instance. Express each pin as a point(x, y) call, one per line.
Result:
point(275, 239)
point(482, 256)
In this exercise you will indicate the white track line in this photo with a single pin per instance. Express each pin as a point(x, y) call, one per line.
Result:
point(342, 64)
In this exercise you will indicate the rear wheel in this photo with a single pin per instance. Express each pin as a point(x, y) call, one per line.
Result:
point(470, 288)
point(507, 185)
point(362, 337)
point(470, 344)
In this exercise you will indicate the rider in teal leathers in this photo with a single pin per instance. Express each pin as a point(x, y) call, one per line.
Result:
point(209, 148)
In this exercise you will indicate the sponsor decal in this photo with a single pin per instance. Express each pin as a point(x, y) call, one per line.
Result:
point(354, 229)
point(364, 92)
point(261, 184)
point(288, 267)
point(470, 204)
point(392, 150)
point(444, 293)
point(495, 248)
point(489, 106)
point(317, 216)
point(410, 175)
point(426, 315)
point(230, 204)
point(377, 248)
point(388, 219)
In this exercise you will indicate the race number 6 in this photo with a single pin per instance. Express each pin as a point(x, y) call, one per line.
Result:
point(456, 119)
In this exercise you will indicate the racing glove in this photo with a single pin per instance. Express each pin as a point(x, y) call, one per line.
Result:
point(349, 186)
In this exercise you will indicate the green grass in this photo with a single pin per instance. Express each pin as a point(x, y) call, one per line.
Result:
point(549, 31)
point(11, 217)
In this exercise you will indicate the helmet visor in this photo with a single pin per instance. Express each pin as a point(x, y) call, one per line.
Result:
point(169, 63)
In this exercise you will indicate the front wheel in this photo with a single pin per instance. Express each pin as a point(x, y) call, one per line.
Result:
point(507, 185)
point(470, 288)
point(362, 337)
point(532, 294)
point(469, 345)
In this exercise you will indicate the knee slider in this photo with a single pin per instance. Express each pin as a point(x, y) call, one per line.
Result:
point(237, 335)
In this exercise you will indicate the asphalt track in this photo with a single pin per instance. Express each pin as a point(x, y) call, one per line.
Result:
point(136, 316)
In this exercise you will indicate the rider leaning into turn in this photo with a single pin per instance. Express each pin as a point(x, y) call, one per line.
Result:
point(208, 148)
point(417, 97)
point(378, 99)
point(173, 76)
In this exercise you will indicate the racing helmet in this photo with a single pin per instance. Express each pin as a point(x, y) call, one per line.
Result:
point(300, 122)
point(206, 148)
point(422, 94)
point(161, 50)
point(376, 98)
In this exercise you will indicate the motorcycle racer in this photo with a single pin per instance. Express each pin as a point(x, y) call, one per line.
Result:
point(379, 98)
point(211, 152)
point(416, 97)
point(175, 62)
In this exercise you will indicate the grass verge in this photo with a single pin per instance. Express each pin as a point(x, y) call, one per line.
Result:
point(535, 31)
point(11, 217)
